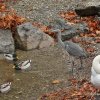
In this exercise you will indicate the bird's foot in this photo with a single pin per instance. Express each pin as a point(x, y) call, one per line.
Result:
point(80, 68)
point(72, 71)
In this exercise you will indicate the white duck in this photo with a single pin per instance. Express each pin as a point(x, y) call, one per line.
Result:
point(4, 88)
point(95, 72)
point(11, 57)
point(23, 65)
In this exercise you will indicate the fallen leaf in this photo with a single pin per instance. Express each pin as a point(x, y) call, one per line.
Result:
point(97, 40)
point(98, 32)
point(56, 81)
point(90, 49)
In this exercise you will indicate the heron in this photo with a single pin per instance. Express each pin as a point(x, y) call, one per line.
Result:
point(73, 49)
point(95, 72)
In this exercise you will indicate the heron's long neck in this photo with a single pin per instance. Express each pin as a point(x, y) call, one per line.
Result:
point(59, 40)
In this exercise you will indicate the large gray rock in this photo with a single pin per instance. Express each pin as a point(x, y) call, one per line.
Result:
point(70, 29)
point(29, 37)
point(88, 11)
point(6, 41)
point(59, 24)
point(74, 30)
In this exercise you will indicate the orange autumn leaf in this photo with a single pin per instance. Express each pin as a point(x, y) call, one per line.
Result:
point(68, 15)
point(20, 20)
point(62, 14)
point(8, 18)
point(2, 7)
point(73, 81)
point(2, 24)
point(97, 40)
point(56, 81)
point(86, 42)
point(98, 32)
point(44, 28)
point(92, 35)
point(90, 49)
point(82, 34)
point(92, 24)
point(78, 93)
point(76, 40)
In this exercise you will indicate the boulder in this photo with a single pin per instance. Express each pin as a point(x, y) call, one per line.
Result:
point(74, 30)
point(29, 37)
point(6, 41)
point(88, 11)
point(46, 41)
point(59, 23)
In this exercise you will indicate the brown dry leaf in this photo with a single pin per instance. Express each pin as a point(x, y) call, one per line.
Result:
point(45, 28)
point(72, 93)
point(76, 93)
point(90, 49)
point(2, 7)
point(20, 20)
point(9, 17)
point(98, 32)
point(73, 81)
point(68, 15)
point(92, 24)
point(56, 81)
point(92, 35)
point(97, 40)
point(76, 40)
point(82, 34)
point(62, 14)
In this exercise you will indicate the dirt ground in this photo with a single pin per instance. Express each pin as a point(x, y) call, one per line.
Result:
point(47, 64)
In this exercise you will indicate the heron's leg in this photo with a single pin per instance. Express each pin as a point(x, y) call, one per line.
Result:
point(72, 64)
point(81, 67)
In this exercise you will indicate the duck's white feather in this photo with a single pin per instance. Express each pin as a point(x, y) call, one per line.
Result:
point(25, 64)
point(8, 56)
point(4, 88)
point(6, 84)
point(95, 80)
point(96, 64)
point(95, 72)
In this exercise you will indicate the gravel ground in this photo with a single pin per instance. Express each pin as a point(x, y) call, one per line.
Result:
point(47, 64)
point(43, 10)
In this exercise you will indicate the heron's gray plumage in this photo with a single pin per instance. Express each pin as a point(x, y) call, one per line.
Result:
point(74, 50)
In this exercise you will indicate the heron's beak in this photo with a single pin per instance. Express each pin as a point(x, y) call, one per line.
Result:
point(17, 57)
point(56, 40)
point(13, 66)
